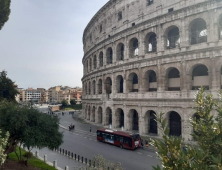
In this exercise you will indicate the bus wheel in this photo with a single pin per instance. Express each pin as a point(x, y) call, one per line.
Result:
point(121, 146)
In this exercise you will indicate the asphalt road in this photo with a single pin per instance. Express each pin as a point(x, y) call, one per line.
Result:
point(84, 143)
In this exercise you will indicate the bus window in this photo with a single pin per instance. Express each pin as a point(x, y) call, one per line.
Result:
point(121, 139)
point(126, 140)
point(117, 138)
point(99, 133)
point(112, 137)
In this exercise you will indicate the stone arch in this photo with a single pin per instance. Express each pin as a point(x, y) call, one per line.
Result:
point(150, 80)
point(133, 120)
point(150, 122)
point(198, 31)
point(89, 113)
point(133, 47)
point(108, 85)
point(100, 115)
point(221, 77)
point(119, 84)
point(94, 87)
point(174, 124)
point(172, 37)
point(101, 59)
point(133, 82)
point(86, 107)
point(90, 64)
point(89, 88)
point(200, 77)
point(119, 118)
point(109, 56)
point(120, 52)
point(93, 114)
point(151, 42)
point(108, 116)
point(94, 62)
point(172, 79)
point(99, 86)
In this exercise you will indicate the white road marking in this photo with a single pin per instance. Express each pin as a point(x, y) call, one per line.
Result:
point(150, 156)
point(139, 153)
point(95, 140)
point(85, 137)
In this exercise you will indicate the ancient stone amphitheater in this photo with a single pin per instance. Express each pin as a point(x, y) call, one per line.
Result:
point(143, 57)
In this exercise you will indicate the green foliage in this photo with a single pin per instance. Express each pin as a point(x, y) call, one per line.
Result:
point(207, 155)
point(101, 164)
point(72, 102)
point(7, 88)
point(3, 143)
point(4, 11)
point(64, 103)
point(29, 127)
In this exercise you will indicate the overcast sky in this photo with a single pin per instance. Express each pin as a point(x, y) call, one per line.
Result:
point(41, 44)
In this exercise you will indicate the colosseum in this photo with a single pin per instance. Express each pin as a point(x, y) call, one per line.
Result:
point(144, 57)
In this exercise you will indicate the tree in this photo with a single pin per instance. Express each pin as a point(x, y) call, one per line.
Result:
point(4, 12)
point(3, 143)
point(99, 163)
point(207, 131)
point(7, 87)
point(64, 103)
point(29, 127)
point(73, 102)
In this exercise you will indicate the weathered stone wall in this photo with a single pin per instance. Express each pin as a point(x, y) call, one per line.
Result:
point(176, 47)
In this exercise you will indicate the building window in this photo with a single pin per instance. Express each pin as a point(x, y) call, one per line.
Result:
point(100, 28)
point(133, 24)
point(170, 10)
point(120, 16)
point(149, 2)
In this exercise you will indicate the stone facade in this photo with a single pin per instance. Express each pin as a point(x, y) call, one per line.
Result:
point(143, 57)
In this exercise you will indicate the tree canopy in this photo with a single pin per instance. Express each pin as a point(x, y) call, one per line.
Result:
point(4, 12)
point(3, 143)
point(64, 103)
point(72, 102)
point(207, 132)
point(7, 87)
point(29, 127)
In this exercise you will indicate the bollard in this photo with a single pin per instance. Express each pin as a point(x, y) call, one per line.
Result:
point(89, 163)
point(63, 151)
point(72, 155)
point(37, 154)
point(75, 156)
point(66, 168)
point(86, 161)
point(60, 150)
point(82, 159)
point(94, 164)
point(78, 157)
point(45, 158)
point(69, 154)
point(55, 163)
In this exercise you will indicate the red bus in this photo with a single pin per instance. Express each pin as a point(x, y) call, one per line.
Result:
point(119, 138)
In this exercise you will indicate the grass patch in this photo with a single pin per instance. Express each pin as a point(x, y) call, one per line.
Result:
point(74, 107)
point(35, 162)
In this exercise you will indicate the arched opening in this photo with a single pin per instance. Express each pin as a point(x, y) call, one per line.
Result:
point(133, 82)
point(89, 113)
point(100, 89)
point(173, 37)
point(221, 78)
point(101, 59)
point(200, 77)
point(89, 88)
point(108, 85)
point(108, 116)
point(109, 56)
point(94, 87)
point(150, 122)
point(173, 80)
point(119, 118)
point(90, 64)
point(220, 27)
point(151, 42)
point(150, 81)
point(119, 84)
point(196, 118)
point(100, 115)
point(87, 66)
point(133, 47)
point(120, 52)
point(198, 31)
point(133, 120)
point(175, 124)
point(85, 116)
point(93, 114)
point(86, 90)
point(94, 62)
